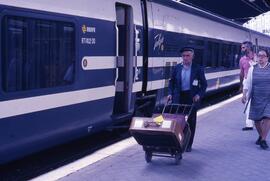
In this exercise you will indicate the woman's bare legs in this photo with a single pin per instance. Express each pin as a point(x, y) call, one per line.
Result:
point(265, 128)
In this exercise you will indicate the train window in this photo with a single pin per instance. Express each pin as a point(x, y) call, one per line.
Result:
point(199, 56)
point(227, 56)
point(195, 42)
point(236, 55)
point(212, 55)
point(208, 60)
point(37, 53)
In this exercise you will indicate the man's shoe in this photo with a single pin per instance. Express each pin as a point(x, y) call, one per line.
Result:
point(264, 145)
point(188, 149)
point(247, 128)
point(258, 142)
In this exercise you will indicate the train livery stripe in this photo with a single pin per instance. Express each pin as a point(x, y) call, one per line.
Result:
point(106, 62)
point(161, 61)
point(96, 62)
point(220, 74)
point(217, 86)
point(45, 102)
point(137, 86)
point(159, 84)
point(120, 61)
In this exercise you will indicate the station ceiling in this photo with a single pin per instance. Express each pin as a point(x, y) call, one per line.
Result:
point(239, 11)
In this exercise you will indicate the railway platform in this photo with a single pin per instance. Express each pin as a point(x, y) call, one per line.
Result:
point(221, 151)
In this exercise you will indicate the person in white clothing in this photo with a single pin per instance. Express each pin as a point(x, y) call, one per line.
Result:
point(247, 61)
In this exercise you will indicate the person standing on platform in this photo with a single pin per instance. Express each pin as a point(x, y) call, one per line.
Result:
point(187, 86)
point(257, 90)
point(241, 76)
point(245, 63)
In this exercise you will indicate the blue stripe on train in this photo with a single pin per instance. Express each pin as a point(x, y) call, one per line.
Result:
point(31, 132)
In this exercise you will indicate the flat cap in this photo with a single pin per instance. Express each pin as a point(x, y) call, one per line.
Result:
point(184, 49)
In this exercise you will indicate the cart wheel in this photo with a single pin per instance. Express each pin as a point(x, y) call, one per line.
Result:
point(178, 157)
point(148, 156)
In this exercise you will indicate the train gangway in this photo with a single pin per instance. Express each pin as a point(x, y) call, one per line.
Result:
point(221, 151)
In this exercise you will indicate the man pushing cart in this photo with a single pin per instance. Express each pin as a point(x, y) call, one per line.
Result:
point(186, 88)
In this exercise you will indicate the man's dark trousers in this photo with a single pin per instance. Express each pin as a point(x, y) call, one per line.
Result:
point(186, 98)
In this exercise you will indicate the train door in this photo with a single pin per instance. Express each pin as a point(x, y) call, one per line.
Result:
point(125, 38)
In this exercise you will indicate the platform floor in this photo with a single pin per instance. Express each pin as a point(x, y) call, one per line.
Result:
point(221, 151)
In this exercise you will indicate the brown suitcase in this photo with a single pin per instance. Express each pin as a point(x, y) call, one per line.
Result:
point(167, 139)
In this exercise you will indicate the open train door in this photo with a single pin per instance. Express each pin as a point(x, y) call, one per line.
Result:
point(125, 50)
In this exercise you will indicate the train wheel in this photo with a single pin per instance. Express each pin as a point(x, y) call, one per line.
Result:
point(148, 156)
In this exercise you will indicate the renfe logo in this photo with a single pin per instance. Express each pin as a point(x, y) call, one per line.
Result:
point(86, 29)
point(159, 40)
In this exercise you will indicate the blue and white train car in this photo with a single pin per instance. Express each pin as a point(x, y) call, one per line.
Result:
point(71, 68)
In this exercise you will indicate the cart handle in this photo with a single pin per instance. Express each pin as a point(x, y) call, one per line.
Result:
point(185, 106)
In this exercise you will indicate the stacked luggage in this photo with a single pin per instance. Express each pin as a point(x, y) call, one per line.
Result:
point(166, 134)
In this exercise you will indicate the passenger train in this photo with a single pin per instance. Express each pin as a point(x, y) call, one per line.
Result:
point(72, 68)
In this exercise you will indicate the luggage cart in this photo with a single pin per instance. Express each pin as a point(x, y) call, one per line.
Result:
point(168, 138)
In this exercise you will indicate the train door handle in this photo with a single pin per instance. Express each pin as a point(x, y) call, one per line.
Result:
point(136, 54)
point(116, 53)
